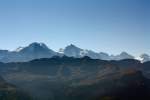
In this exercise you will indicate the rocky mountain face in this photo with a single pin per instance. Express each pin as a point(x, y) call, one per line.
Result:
point(69, 78)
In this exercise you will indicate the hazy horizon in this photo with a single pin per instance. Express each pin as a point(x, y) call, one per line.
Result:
point(57, 50)
point(110, 26)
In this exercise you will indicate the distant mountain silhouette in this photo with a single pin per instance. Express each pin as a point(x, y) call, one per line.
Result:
point(40, 50)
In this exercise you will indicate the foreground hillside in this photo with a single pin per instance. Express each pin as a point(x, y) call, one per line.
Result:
point(68, 78)
point(10, 92)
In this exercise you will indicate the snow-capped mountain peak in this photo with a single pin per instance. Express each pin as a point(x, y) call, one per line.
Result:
point(143, 57)
point(18, 49)
point(72, 51)
point(36, 44)
point(35, 47)
point(126, 54)
point(73, 47)
point(32, 51)
point(123, 55)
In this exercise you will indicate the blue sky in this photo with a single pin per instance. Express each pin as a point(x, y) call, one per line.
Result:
point(101, 25)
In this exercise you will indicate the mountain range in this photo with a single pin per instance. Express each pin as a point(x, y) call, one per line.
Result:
point(36, 72)
point(40, 50)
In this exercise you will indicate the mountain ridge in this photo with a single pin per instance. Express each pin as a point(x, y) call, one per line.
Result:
point(37, 50)
point(69, 78)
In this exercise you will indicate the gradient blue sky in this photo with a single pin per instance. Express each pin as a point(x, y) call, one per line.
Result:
point(101, 25)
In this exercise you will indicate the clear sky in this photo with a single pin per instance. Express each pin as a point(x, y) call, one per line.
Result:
point(110, 26)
